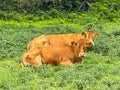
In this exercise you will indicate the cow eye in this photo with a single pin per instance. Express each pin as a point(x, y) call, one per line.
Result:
point(84, 48)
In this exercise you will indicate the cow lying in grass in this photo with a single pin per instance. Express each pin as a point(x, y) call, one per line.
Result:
point(61, 39)
point(56, 55)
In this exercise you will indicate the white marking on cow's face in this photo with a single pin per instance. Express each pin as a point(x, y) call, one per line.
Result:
point(93, 43)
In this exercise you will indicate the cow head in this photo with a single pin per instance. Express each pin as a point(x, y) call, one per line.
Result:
point(91, 35)
point(80, 47)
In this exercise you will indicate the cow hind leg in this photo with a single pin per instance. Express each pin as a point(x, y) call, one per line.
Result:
point(38, 61)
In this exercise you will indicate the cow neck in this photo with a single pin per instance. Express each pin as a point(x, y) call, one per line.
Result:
point(75, 50)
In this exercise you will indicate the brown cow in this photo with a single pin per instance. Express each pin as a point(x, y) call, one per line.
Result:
point(61, 39)
point(59, 55)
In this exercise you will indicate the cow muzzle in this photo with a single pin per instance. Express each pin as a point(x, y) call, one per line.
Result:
point(90, 44)
point(82, 55)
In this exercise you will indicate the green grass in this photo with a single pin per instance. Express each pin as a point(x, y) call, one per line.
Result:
point(37, 24)
point(99, 70)
point(95, 75)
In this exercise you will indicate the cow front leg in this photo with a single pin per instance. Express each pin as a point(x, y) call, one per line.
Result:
point(66, 63)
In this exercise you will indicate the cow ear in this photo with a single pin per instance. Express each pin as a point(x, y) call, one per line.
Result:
point(97, 34)
point(73, 44)
point(84, 34)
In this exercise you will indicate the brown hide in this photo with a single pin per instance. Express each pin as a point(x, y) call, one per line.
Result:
point(39, 41)
point(56, 55)
point(61, 39)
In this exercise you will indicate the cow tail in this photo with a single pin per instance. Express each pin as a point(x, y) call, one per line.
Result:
point(22, 64)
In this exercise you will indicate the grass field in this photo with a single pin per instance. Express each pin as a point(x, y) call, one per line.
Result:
point(100, 69)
